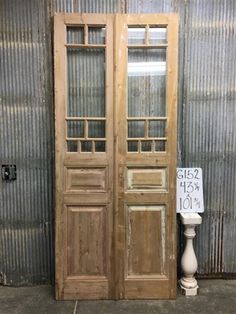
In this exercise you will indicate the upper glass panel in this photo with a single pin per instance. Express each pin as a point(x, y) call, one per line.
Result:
point(86, 82)
point(75, 35)
point(136, 36)
point(157, 35)
point(96, 35)
point(146, 82)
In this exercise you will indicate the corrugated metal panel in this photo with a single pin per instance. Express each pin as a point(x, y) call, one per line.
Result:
point(148, 6)
point(87, 6)
point(26, 205)
point(209, 134)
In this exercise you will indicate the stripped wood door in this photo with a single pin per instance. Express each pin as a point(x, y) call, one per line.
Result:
point(145, 94)
point(115, 126)
point(83, 46)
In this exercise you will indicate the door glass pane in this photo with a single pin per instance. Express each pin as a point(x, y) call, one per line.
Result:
point(160, 146)
point(96, 35)
point(100, 146)
point(86, 146)
point(132, 146)
point(146, 146)
point(75, 35)
point(146, 82)
point(75, 128)
point(157, 128)
point(157, 35)
point(136, 129)
point(96, 129)
point(72, 146)
point(136, 36)
point(86, 82)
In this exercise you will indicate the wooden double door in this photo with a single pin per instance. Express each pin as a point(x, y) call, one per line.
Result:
point(115, 128)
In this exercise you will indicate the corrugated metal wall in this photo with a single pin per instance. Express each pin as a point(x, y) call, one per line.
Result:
point(26, 132)
point(209, 128)
point(206, 128)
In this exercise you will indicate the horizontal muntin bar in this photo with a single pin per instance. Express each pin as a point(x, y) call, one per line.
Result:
point(146, 139)
point(85, 46)
point(84, 139)
point(146, 118)
point(85, 118)
point(161, 46)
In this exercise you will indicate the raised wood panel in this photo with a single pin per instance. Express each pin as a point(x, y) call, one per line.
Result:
point(85, 198)
point(146, 240)
point(85, 289)
point(147, 197)
point(151, 289)
point(147, 179)
point(86, 241)
point(86, 179)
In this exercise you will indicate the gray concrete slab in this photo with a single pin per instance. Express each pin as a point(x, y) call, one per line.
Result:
point(32, 300)
point(215, 296)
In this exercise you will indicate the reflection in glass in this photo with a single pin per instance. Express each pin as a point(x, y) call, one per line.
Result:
point(86, 82)
point(157, 36)
point(136, 36)
point(136, 129)
point(75, 128)
point(146, 68)
point(75, 35)
point(86, 146)
point(146, 146)
point(146, 82)
point(96, 35)
point(72, 146)
point(132, 146)
point(157, 128)
point(96, 129)
point(160, 146)
point(100, 146)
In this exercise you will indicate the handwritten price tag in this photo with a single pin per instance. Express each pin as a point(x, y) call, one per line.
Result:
point(189, 190)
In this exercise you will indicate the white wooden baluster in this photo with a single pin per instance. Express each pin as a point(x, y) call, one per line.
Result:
point(188, 283)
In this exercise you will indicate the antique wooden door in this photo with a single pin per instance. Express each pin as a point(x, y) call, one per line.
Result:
point(145, 89)
point(115, 127)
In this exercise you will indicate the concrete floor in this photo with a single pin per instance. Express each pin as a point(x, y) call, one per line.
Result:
point(215, 296)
